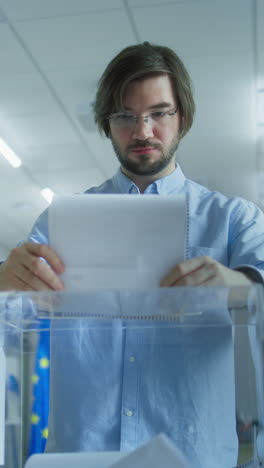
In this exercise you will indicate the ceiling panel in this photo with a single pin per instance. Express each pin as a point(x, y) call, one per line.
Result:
point(79, 181)
point(143, 3)
point(260, 78)
point(67, 156)
point(76, 89)
point(37, 129)
point(103, 152)
point(79, 41)
point(32, 9)
point(25, 94)
point(26, 212)
point(17, 188)
point(12, 56)
point(224, 130)
point(202, 28)
point(260, 25)
point(23, 202)
point(260, 46)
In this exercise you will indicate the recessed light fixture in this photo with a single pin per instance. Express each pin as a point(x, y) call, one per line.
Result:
point(48, 194)
point(9, 154)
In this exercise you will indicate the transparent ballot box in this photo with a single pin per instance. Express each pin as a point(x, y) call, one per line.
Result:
point(108, 370)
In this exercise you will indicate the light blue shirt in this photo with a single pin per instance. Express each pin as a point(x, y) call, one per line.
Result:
point(115, 385)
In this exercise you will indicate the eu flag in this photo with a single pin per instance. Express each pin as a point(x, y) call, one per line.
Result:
point(40, 388)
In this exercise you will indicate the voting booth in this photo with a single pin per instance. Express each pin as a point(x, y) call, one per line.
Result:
point(127, 365)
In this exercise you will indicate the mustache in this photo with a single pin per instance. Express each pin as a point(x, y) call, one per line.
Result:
point(143, 144)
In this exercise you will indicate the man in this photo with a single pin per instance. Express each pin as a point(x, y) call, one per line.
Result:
point(144, 104)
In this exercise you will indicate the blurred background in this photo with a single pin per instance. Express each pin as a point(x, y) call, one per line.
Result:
point(52, 53)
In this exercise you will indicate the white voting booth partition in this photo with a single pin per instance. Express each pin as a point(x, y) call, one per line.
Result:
point(128, 365)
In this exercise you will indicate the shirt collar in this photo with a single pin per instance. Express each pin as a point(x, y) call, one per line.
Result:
point(173, 183)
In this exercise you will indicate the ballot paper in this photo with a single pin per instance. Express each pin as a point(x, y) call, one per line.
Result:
point(72, 460)
point(117, 241)
point(159, 452)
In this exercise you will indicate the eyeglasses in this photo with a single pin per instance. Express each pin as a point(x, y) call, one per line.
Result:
point(129, 119)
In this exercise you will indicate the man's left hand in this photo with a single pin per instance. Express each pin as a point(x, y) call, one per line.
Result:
point(204, 271)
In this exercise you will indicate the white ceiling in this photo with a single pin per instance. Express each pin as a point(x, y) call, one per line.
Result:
point(52, 53)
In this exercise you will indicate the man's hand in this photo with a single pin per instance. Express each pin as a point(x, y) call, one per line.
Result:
point(25, 270)
point(204, 271)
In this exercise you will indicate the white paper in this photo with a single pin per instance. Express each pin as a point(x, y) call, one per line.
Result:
point(70, 460)
point(117, 241)
point(159, 452)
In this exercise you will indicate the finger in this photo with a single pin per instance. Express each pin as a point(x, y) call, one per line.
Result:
point(46, 252)
point(25, 263)
point(229, 278)
point(212, 281)
point(16, 285)
point(42, 278)
point(196, 278)
point(41, 274)
point(183, 269)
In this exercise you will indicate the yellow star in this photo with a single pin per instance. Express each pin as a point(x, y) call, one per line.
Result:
point(44, 363)
point(34, 418)
point(35, 378)
point(45, 433)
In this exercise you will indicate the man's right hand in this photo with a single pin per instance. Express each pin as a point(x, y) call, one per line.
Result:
point(25, 270)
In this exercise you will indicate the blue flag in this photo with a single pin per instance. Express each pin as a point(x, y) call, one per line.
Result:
point(40, 389)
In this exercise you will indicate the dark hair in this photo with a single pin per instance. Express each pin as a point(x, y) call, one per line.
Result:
point(136, 62)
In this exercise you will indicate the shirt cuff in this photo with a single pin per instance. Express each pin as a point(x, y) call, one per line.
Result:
point(252, 273)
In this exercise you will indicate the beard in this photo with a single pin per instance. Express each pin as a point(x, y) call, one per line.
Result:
point(142, 164)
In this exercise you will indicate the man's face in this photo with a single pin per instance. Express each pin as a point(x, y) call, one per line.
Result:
point(147, 148)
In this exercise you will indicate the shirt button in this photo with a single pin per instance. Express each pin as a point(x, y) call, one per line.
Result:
point(129, 413)
point(132, 359)
point(134, 190)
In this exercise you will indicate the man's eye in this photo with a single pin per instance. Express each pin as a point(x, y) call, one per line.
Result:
point(125, 117)
point(158, 115)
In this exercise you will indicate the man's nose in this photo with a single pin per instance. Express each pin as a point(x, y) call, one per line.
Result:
point(142, 130)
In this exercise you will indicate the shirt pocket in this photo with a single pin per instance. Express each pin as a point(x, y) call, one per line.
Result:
point(219, 254)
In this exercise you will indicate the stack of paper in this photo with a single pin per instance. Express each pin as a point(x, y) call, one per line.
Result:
point(117, 241)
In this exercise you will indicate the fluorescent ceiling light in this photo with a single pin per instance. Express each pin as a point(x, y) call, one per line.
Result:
point(48, 194)
point(9, 154)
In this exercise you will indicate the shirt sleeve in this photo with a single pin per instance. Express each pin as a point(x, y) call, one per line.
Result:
point(246, 241)
point(252, 273)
